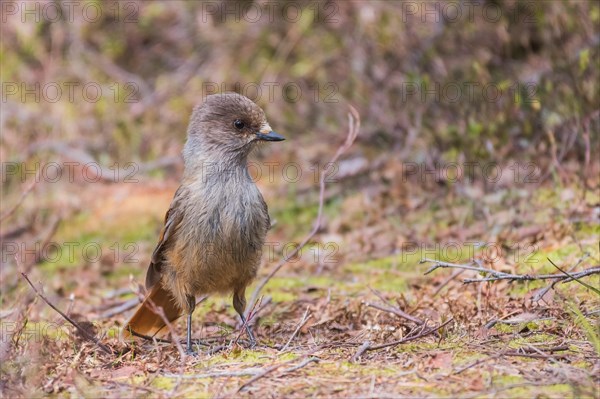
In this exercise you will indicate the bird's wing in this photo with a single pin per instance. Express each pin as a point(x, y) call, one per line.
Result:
point(173, 218)
point(266, 208)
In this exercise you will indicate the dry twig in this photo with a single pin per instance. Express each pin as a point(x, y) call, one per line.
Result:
point(24, 194)
point(307, 359)
point(302, 322)
point(360, 351)
point(158, 310)
point(394, 311)
point(354, 126)
point(85, 333)
point(411, 338)
point(497, 275)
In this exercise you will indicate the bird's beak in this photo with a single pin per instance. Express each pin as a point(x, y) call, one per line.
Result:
point(266, 134)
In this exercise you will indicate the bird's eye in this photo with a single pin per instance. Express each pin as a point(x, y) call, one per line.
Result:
point(239, 124)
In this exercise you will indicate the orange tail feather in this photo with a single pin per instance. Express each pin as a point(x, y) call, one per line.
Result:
point(145, 321)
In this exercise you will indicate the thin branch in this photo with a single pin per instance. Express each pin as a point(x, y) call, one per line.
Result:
point(394, 311)
point(398, 312)
point(302, 322)
point(354, 126)
point(252, 371)
point(159, 311)
point(47, 239)
point(573, 277)
point(446, 282)
point(123, 307)
point(247, 321)
point(497, 275)
point(412, 338)
point(249, 372)
point(540, 294)
point(477, 363)
point(24, 194)
point(360, 351)
point(302, 364)
point(308, 358)
point(85, 333)
point(262, 374)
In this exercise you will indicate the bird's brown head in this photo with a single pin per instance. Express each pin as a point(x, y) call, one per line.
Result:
point(227, 124)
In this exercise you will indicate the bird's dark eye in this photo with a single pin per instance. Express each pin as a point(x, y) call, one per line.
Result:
point(239, 124)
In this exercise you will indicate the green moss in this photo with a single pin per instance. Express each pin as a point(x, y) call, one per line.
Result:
point(165, 383)
point(85, 240)
point(245, 356)
point(518, 387)
point(294, 214)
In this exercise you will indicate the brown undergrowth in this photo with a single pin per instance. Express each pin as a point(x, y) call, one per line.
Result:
point(337, 329)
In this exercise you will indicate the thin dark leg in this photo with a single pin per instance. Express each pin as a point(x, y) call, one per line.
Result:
point(192, 306)
point(239, 304)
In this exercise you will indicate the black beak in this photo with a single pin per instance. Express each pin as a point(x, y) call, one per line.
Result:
point(271, 136)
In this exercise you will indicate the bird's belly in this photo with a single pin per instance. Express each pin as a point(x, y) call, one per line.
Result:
point(224, 248)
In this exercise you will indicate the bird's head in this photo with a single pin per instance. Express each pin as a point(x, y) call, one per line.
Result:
point(229, 124)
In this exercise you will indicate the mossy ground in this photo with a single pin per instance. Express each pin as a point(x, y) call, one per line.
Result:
point(509, 359)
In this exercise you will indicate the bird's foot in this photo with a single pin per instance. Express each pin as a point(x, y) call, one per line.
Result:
point(251, 339)
point(191, 352)
point(189, 348)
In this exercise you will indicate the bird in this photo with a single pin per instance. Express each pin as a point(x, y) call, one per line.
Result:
point(216, 225)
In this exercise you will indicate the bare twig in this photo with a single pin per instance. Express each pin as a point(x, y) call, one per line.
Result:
point(532, 355)
point(246, 323)
point(497, 275)
point(47, 238)
point(540, 294)
point(302, 322)
point(398, 312)
point(159, 311)
point(360, 351)
point(354, 126)
point(394, 311)
point(477, 363)
point(85, 333)
point(446, 282)
point(411, 338)
point(302, 364)
point(574, 277)
point(251, 371)
point(308, 358)
point(123, 307)
point(262, 374)
point(24, 194)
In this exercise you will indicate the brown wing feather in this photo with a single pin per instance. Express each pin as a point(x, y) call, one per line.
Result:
point(266, 208)
point(172, 219)
point(145, 321)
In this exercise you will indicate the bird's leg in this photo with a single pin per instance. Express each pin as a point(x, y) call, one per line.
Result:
point(191, 301)
point(239, 304)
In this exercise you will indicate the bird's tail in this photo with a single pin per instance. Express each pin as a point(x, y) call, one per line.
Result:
point(145, 321)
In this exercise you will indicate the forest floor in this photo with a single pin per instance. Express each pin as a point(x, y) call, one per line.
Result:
point(323, 315)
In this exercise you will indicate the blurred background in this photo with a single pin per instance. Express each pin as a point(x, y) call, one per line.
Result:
point(504, 92)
